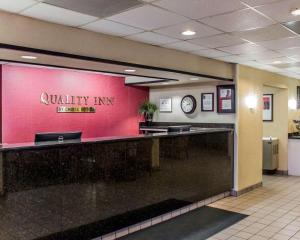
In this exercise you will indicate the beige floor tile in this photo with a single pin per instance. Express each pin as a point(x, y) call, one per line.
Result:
point(266, 234)
point(274, 211)
point(244, 235)
point(280, 237)
point(257, 237)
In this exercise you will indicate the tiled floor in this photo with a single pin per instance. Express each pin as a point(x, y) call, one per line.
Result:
point(274, 211)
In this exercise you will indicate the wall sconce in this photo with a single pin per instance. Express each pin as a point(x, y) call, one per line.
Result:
point(292, 104)
point(251, 101)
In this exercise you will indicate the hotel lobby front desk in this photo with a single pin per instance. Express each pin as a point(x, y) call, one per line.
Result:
point(82, 190)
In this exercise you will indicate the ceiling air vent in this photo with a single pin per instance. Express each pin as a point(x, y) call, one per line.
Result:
point(293, 25)
point(97, 8)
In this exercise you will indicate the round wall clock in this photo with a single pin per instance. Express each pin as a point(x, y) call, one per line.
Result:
point(188, 104)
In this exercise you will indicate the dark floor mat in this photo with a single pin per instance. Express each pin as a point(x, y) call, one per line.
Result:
point(115, 223)
point(199, 224)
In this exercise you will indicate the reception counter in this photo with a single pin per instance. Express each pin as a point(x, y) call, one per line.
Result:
point(84, 189)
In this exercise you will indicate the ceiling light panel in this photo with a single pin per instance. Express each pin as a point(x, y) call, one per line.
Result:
point(148, 17)
point(55, 14)
point(176, 30)
point(238, 21)
point(197, 9)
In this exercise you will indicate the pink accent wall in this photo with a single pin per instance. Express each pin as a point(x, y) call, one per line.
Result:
point(23, 114)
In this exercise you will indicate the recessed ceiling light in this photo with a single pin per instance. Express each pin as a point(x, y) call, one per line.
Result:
point(295, 12)
point(28, 57)
point(194, 78)
point(130, 70)
point(188, 33)
point(277, 62)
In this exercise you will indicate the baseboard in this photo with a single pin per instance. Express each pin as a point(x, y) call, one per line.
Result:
point(282, 172)
point(245, 190)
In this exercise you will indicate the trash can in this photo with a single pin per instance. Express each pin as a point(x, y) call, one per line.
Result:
point(270, 155)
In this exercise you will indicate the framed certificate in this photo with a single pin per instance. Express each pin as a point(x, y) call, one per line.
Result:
point(165, 104)
point(207, 102)
point(268, 107)
point(226, 99)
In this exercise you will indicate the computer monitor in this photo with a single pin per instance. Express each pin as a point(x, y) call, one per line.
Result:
point(57, 136)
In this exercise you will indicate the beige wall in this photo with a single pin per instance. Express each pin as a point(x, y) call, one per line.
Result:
point(250, 124)
point(177, 115)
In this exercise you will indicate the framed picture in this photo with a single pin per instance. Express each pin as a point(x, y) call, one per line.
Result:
point(268, 107)
point(207, 102)
point(226, 99)
point(165, 104)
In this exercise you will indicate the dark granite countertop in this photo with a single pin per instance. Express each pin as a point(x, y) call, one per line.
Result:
point(294, 137)
point(43, 145)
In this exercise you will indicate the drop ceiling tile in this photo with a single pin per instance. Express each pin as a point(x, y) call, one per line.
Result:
point(220, 40)
point(238, 21)
point(16, 5)
point(176, 30)
point(255, 3)
point(54, 14)
point(293, 69)
point(295, 57)
point(233, 59)
point(253, 64)
point(212, 53)
point(267, 54)
point(197, 9)
point(290, 51)
point(243, 48)
point(184, 46)
point(276, 61)
point(112, 28)
point(152, 38)
point(280, 11)
point(96, 8)
point(282, 43)
point(272, 32)
point(271, 68)
point(148, 17)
